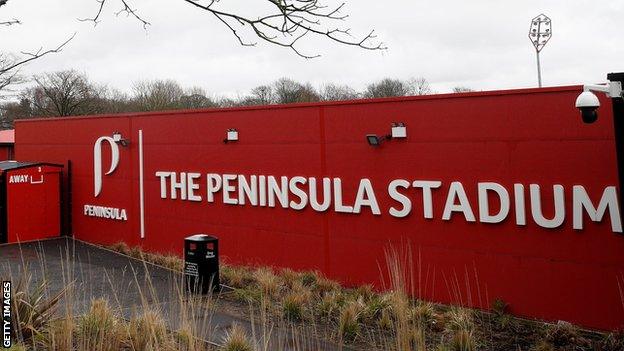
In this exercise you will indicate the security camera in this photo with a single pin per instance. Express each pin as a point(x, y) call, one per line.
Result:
point(588, 103)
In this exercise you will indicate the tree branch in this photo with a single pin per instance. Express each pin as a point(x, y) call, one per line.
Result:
point(285, 25)
point(30, 56)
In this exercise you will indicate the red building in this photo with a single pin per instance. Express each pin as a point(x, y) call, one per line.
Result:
point(503, 194)
point(7, 141)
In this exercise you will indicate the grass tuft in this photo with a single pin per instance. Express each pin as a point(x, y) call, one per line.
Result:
point(98, 329)
point(148, 332)
point(349, 320)
point(236, 340)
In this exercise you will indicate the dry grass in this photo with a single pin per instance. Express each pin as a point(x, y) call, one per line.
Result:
point(236, 339)
point(148, 332)
point(267, 281)
point(99, 329)
point(392, 320)
point(349, 321)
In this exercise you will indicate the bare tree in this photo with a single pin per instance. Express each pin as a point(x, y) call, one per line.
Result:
point(263, 95)
point(462, 89)
point(418, 86)
point(387, 88)
point(280, 22)
point(11, 111)
point(196, 98)
point(288, 91)
point(10, 63)
point(64, 93)
point(395, 87)
point(334, 92)
point(157, 95)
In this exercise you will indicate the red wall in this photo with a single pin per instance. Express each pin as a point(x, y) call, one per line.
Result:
point(33, 206)
point(6, 152)
point(523, 136)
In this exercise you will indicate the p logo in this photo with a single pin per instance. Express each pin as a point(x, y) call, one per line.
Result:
point(97, 161)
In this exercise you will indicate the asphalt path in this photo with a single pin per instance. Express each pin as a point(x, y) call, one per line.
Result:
point(87, 272)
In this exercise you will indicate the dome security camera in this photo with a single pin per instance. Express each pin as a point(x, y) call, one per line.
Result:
point(588, 104)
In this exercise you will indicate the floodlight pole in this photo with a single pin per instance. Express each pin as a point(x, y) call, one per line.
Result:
point(539, 70)
point(539, 36)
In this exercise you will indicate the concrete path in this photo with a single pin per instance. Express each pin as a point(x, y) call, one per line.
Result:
point(131, 285)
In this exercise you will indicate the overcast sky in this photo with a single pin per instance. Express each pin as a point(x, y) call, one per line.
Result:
point(481, 44)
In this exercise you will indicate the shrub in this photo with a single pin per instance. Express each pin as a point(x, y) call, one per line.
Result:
point(328, 304)
point(289, 277)
point(120, 247)
point(267, 281)
point(385, 322)
point(148, 332)
point(366, 292)
point(499, 307)
point(293, 306)
point(309, 278)
point(424, 313)
point(33, 308)
point(248, 295)
point(460, 319)
point(235, 276)
point(565, 334)
point(349, 321)
point(324, 285)
point(462, 341)
point(98, 329)
point(375, 307)
point(236, 340)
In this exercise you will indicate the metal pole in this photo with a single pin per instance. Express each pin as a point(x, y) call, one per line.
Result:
point(539, 71)
point(618, 129)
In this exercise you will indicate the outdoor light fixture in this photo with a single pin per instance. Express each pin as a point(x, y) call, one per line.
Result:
point(588, 104)
point(540, 33)
point(374, 140)
point(399, 130)
point(231, 135)
point(120, 140)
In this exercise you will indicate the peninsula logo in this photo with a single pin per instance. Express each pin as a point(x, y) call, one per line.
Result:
point(99, 211)
point(97, 161)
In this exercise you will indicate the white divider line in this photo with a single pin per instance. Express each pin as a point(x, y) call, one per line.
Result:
point(141, 192)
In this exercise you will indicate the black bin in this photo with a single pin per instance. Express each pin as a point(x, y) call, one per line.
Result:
point(201, 263)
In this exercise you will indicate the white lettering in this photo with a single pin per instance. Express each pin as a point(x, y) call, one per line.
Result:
point(338, 206)
point(609, 200)
point(402, 199)
point(427, 187)
point(227, 189)
point(536, 207)
point(484, 204)
point(295, 190)
point(192, 186)
point(214, 185)
point(456, 190)
point(366, 197)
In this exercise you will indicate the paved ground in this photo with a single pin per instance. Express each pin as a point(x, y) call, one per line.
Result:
point(127, 284)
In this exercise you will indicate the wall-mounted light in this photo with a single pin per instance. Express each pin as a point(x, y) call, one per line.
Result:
point(231, 135)
point(375, 140)
point(399, 130)
point(120, 140)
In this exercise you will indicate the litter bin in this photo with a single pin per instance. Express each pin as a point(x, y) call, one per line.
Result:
point(201, 263)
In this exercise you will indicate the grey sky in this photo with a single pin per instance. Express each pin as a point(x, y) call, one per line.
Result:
point(481, 44)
